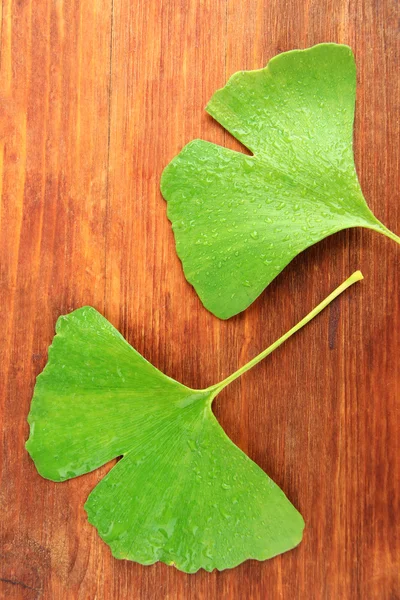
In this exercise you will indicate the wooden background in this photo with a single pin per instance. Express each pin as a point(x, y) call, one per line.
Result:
point(96, 98)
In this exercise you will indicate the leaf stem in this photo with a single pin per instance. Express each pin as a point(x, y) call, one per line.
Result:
point(357, 276)
point(380, 228)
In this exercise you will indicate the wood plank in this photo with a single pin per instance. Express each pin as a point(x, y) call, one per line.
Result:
point(95, 99)
point(55, 66)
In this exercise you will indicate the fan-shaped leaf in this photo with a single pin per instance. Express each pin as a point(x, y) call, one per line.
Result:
point(183, 493)
point(239, 220)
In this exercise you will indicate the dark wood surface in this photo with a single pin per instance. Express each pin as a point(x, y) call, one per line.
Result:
point(95, 99)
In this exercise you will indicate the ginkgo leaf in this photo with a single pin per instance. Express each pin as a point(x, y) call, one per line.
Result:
point(183, 493)
point(239, 220)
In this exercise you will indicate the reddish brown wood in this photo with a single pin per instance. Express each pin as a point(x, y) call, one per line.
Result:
point(95, 99)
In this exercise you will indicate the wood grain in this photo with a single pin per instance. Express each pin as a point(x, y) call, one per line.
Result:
point(95, 99)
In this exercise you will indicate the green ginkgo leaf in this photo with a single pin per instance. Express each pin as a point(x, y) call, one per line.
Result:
point(239, 220)
point(183, 493)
